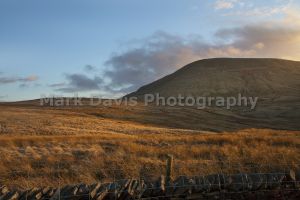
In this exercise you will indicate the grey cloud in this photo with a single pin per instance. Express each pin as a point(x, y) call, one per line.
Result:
point(265, 41)
point(163, 53)
point(160, 54)
point(57, 85)
point(37, 85)
point(8, 80)
point(80, 83)
point(30, 78)
point(90, 68)
point(23, 85)
point(156, 56)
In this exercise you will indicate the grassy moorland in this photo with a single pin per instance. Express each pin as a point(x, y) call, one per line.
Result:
point(50, 146)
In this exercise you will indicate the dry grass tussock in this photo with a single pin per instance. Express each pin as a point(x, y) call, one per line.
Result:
point(41, 147)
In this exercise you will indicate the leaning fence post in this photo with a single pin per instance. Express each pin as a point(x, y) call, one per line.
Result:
point(169, 169)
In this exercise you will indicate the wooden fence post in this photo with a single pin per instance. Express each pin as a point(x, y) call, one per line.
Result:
point(169, 169)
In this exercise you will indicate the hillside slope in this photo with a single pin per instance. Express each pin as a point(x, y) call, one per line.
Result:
point(265, 78)
point(275, 82)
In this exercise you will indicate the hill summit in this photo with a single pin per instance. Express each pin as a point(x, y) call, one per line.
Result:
point(264, 78)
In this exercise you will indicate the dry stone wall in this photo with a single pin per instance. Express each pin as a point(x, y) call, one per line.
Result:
point(216, 186)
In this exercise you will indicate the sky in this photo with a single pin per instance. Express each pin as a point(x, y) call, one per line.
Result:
point(108, 48)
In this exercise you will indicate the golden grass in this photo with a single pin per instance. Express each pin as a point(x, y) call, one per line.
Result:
point(42, 147)
point(48, 160)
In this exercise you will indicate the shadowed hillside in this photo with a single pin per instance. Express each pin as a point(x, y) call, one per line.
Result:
point(275, 82)
point(265, 78)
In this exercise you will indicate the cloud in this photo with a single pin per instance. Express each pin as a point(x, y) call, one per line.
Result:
point(248, 9)
point(225, 4)
point(265, 41)
point(259, 45)
point(6, 80)
point(90, 68)
point(162, 53)
point(29, 78)
point(153, 58)
point(292, 17)
point(259, 12)
point(24, 85)
point(9, 80)
point(81, 83)
point(57, 85)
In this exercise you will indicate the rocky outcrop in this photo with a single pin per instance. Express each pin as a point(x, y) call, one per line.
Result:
point(215, 186)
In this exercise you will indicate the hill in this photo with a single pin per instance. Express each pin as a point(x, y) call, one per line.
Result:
point(265, 78)
point(275, 82)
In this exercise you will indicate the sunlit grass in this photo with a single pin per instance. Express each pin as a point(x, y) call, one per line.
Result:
point(42, 147)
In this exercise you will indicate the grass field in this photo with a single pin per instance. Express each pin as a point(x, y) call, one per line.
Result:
point(50, 146)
